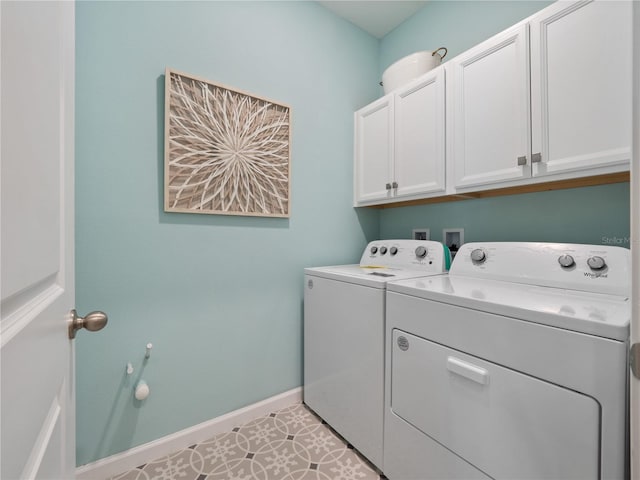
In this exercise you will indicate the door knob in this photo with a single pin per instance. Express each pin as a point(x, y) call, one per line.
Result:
point(93, 322)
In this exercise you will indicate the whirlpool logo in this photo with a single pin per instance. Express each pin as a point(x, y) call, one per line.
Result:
point(596, 275)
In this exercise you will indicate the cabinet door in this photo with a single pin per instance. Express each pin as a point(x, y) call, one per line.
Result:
point(419, 158)
point(491, 110)
point(373, 151)
point(581, 85)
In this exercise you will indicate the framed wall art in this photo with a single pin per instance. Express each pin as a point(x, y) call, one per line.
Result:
point(226, 152)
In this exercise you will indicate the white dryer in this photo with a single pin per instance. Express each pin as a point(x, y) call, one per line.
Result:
point(513, 366)
point(344, 312)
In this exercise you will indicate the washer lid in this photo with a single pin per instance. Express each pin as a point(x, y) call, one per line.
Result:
point(586, 312)
point(370, 276)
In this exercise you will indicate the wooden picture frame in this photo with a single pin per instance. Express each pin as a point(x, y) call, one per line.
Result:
point(227, 152)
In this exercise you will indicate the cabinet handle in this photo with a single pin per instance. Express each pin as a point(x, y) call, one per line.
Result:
point(394, 184)
point(536, 158)
point(522, 161)
point(388, 186)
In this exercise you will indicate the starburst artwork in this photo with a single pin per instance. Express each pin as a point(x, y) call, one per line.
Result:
point(226, 152)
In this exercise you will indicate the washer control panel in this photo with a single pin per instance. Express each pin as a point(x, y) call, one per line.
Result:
point(409, 254)
point(591, 268)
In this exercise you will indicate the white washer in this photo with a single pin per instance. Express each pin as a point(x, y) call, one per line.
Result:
point(512, 366)
point(344, 309)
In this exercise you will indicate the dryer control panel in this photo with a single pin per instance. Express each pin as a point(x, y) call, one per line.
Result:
point(427, 255)
point(590, 268)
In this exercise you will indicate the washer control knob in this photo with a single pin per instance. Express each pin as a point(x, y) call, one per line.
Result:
point(421, 252)
point(374, 250)
point(596, 263)
point(566, 261)
point(393, 250)
point(383, 250)
point(478, 256)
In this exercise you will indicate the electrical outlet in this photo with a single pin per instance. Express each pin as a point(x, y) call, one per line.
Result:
point(453, 238)
point(420, 234)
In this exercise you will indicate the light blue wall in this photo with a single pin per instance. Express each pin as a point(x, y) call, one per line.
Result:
point(582, 215)
point(219, 297)
point(596, 215)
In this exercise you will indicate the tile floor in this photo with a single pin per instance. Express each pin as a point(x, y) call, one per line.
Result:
point(290, 444)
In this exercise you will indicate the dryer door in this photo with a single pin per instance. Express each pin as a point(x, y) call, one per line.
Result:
point(507, 424)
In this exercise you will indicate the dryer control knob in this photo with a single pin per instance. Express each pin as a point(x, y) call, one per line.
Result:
point(566, 261)
point(478, 255)
point(596, 263)
point(421, 252)
point(383, 250)
point(393, 250)
point(374, 250)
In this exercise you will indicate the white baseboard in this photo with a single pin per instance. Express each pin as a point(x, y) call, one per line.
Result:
point(129, 459)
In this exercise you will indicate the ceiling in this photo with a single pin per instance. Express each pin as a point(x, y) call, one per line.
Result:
point(378, 17)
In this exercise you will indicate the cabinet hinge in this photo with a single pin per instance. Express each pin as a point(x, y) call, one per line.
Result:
point(634, 359)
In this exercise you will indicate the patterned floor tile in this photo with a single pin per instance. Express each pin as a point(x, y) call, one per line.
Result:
point(290, 444)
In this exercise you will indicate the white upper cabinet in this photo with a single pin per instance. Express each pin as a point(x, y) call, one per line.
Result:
point(400, 143)
point(374, 151)
point(419, 136)
point(581, 86)
point(489, 105)
point(548, 99)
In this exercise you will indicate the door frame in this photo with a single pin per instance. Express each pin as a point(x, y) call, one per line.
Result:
point(634, 387)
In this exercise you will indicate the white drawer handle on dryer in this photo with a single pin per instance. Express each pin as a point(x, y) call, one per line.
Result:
point(468, 370)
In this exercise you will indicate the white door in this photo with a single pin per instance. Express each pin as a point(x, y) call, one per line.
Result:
point(37, 285)
point(374, 151)
point(580, 86)
point(490, 94)
point(419, 136)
